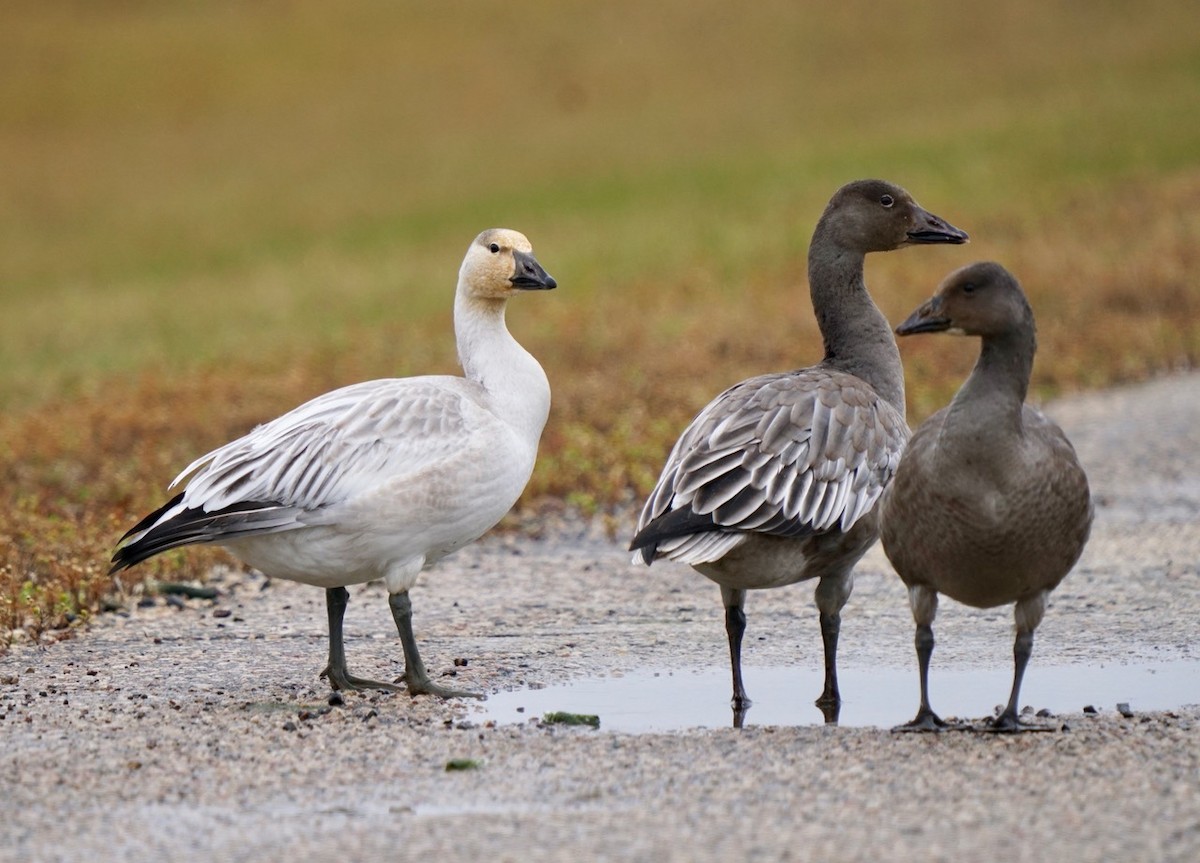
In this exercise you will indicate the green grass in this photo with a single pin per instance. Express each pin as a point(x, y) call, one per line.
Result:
point(210, 212)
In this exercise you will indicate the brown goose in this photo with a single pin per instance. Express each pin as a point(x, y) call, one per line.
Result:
point(776, 480)
point(989, 504)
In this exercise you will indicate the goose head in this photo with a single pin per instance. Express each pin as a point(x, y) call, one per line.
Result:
point(878, 216)
point(499, 263)
point(980, 299)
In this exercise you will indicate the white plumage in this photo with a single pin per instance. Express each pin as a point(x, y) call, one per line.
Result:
point(378, 480)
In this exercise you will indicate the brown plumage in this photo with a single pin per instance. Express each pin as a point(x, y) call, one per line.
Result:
point(989, 504)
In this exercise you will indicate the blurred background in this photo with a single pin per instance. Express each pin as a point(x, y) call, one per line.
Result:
point(210, 212)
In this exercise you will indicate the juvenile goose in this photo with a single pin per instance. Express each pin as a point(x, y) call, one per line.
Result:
point(989, 504)
point(378, 480)
point(776, 480)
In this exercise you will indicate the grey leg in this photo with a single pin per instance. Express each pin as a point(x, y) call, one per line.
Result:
point(831, 595)
point(1028, 614)
point(830, 701)
point(926, 719)
point(735, 628)
point(339, 678)
point(1022, 650)
point(923, 602)
point(415, 676)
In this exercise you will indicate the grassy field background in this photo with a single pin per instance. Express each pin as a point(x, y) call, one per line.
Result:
point(210, 212)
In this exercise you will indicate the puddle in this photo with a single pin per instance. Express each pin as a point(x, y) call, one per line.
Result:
point(670, 700)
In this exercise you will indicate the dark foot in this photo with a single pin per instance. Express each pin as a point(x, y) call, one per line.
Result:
point(831, 708)
point(741, 706)
point(1009, 723)
point(925, 721)
point(425, 686)
point(342, 680)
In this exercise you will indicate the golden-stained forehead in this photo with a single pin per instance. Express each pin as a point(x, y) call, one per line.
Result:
point(505, 238)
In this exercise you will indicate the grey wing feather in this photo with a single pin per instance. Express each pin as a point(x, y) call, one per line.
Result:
point(787, 455)
point(330, 448)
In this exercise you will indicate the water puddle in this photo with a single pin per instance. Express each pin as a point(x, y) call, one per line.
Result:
point(658, 700)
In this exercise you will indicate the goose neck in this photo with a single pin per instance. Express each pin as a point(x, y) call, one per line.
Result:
point(994, 394)
point(515, 382)
point(857, 337)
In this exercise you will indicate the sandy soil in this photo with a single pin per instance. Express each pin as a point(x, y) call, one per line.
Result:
point(198, 727)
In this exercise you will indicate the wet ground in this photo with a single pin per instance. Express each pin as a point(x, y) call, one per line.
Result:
point(671, 700)
point(199, 728)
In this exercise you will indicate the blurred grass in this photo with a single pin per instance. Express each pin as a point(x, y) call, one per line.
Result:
point(211, 212)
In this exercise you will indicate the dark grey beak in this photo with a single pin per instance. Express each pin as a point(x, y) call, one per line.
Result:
point(529, 275)
point(927, 319)
point(928, 228)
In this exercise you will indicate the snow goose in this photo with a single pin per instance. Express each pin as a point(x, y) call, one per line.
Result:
point(989, 504)
point(378, 480)
point(776, 480)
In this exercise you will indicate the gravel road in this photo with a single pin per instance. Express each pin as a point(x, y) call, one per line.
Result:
point(198, 728)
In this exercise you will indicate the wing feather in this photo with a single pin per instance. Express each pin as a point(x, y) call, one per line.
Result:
point(786, 455)
point(325, 451)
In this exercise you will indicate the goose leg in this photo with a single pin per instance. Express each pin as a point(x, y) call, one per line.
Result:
point(830, 701)
point(1028, 613)
point(1022, 649)
point(831, 595)
point(415, 677)
point(339, 678)
point(924, 608)
point(735, 628)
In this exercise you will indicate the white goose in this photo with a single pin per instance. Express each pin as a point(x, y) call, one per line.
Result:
point(378, 480)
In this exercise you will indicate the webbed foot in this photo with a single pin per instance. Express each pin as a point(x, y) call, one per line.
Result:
point(924, 722)
point(342, 680)
point(424, 686)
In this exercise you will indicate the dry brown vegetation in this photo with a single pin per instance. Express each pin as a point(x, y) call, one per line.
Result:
point(76, 473)
point(237, 213)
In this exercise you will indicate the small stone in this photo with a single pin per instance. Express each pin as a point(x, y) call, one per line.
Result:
point(1045, 713)
point(1090, 709)
point(460, 662)
point(1124, 710)
point(221, 612)
point(289, 726)
point(336, 699)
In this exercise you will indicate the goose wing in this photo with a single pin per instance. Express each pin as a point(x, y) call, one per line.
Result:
point(785, 455)
point(336, 445)
point(281, 475)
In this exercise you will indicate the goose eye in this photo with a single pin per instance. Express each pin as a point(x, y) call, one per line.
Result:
point(887, 200)
point(494, 248)
point(969, 287)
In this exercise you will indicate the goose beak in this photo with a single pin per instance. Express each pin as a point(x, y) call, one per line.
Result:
point(927, 319)
point(928, 228)
point(529, 275)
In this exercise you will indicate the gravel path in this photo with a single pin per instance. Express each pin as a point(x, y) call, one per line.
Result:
point(199, 727)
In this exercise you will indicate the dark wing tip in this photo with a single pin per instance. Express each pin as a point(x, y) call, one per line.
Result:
point(676, 522)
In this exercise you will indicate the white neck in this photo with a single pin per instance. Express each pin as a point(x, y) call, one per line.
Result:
point(492, 358)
